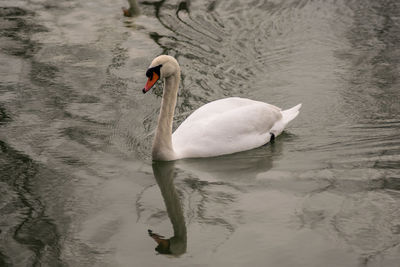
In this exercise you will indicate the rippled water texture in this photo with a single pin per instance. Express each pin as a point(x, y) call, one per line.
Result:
point(77, 185)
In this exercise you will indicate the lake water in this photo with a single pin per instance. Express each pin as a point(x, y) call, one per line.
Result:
point(77, 184)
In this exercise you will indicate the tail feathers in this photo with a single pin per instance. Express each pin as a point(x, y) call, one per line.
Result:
point(290, 114)
point(287, 116)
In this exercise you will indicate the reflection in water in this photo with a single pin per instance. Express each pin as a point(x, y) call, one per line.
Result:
point(243, 166)
point(133, 9)
point(25, 227)
point(176, 245)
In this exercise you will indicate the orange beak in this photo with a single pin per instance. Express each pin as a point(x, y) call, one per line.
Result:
point(151, 82)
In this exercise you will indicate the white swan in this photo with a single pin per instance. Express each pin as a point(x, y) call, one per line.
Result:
point(221, 127)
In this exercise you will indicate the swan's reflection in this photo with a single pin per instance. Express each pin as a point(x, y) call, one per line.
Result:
point(133, 9)
point(223, 172)
point(176, 245)
point(243, 166)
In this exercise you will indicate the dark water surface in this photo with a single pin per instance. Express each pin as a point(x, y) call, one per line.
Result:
point(77, 185)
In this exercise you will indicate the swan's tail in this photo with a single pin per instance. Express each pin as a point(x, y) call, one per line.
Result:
point(287, 116)
point(290, 114)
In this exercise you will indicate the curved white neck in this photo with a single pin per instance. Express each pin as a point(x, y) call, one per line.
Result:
point(162, 145)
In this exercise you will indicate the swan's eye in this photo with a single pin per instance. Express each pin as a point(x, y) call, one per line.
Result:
point(150, 71)
point(153, 74)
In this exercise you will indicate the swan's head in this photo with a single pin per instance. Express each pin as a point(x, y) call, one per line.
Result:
point(161, 67)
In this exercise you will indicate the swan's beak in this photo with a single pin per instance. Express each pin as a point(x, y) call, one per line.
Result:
point(151, 82)
point(163, 244)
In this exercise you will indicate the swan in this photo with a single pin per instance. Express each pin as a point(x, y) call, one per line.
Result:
point(221, 127)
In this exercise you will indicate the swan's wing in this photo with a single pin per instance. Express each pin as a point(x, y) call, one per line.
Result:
point(217, 131)
point(221, 106)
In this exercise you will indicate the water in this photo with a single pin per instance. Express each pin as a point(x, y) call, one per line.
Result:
point(77, 183)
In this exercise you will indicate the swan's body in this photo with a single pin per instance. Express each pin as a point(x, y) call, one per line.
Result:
point(220, 127)
point(227, 126)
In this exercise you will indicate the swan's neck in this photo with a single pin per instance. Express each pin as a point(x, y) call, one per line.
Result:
point(162, 146)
